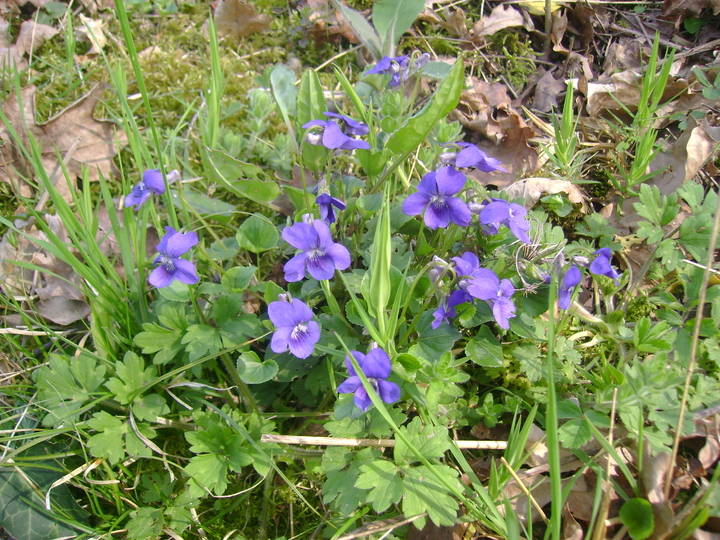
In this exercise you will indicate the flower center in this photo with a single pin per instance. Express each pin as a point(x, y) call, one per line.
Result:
point(167, 262)
point(437, 201)
point(299, 330)
point(316, 253)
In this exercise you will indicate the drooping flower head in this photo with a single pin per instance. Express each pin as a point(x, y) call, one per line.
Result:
point(471, 156)
point(325, 204)
point(320, 256)
point(172, 246)
point(376, 366)
point(296, 330)
point(500, 212)
point(487, 286)
point(600, 266)
point(151, 184)
point(446, 310)
point(567, 286)
point(336, 134)
point(435, 197)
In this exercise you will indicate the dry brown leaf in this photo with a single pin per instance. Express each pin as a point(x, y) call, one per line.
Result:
point(92, 30)
point(455, 23)
point(623, 90)
point(653, 473)
point(546, 92)
point(679, 10)
point(624, 55)
point(9, 54)
point(502, 16)
point(329, 24)
point(532, 189)
point(237, 18)
point(74, 133)
point(557, 31)
point(32, 36)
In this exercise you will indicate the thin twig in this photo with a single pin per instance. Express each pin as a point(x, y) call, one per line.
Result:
point(387, 443)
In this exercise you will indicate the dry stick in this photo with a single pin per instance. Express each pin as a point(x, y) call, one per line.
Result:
point(525, 490)
point(387, 443)
point(693, 347)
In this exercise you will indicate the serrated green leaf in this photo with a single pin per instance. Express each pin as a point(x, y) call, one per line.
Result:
point(132, 378)
point(531, 362)
point(65, 386)
point(424, 494)
point(382, 479)
point(227, 307)
point(149, 407)
point(431, 441)
point(210, 471)
point(166, 342)
point(339, 488)
point(108, 442)
point(145, 523)
point(201, 340)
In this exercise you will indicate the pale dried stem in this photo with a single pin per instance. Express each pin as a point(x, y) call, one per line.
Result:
point(384, 443)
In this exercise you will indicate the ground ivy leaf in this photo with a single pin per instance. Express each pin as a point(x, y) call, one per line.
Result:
point(256, 371)
point(431, 441)
point(382, 479)
point(64, 387)
point(423, 494)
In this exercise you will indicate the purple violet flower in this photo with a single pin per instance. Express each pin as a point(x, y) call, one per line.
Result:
point(435, 197)
point(487, 286)
point(325, 205)
point(320, 255)
point(151, 184)
point(295, 329)
point(170, 248)
point(377, 368)
point(600, 266)
point(399, 67)
point(333, 137)
point(569, 281)
point(500, 212)
point(472, 156)
point(351, 126)
point(467, 264)
point(446, 310)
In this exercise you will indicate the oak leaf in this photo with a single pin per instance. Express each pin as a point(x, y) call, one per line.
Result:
point(74, 134)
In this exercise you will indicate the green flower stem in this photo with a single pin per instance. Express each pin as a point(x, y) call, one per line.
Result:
point(333, 303)
point(243, 390)
point(551, 423)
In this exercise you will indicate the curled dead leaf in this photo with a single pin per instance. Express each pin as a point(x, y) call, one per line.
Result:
point(532, 189)
point(237, 18)
point(501, 17)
